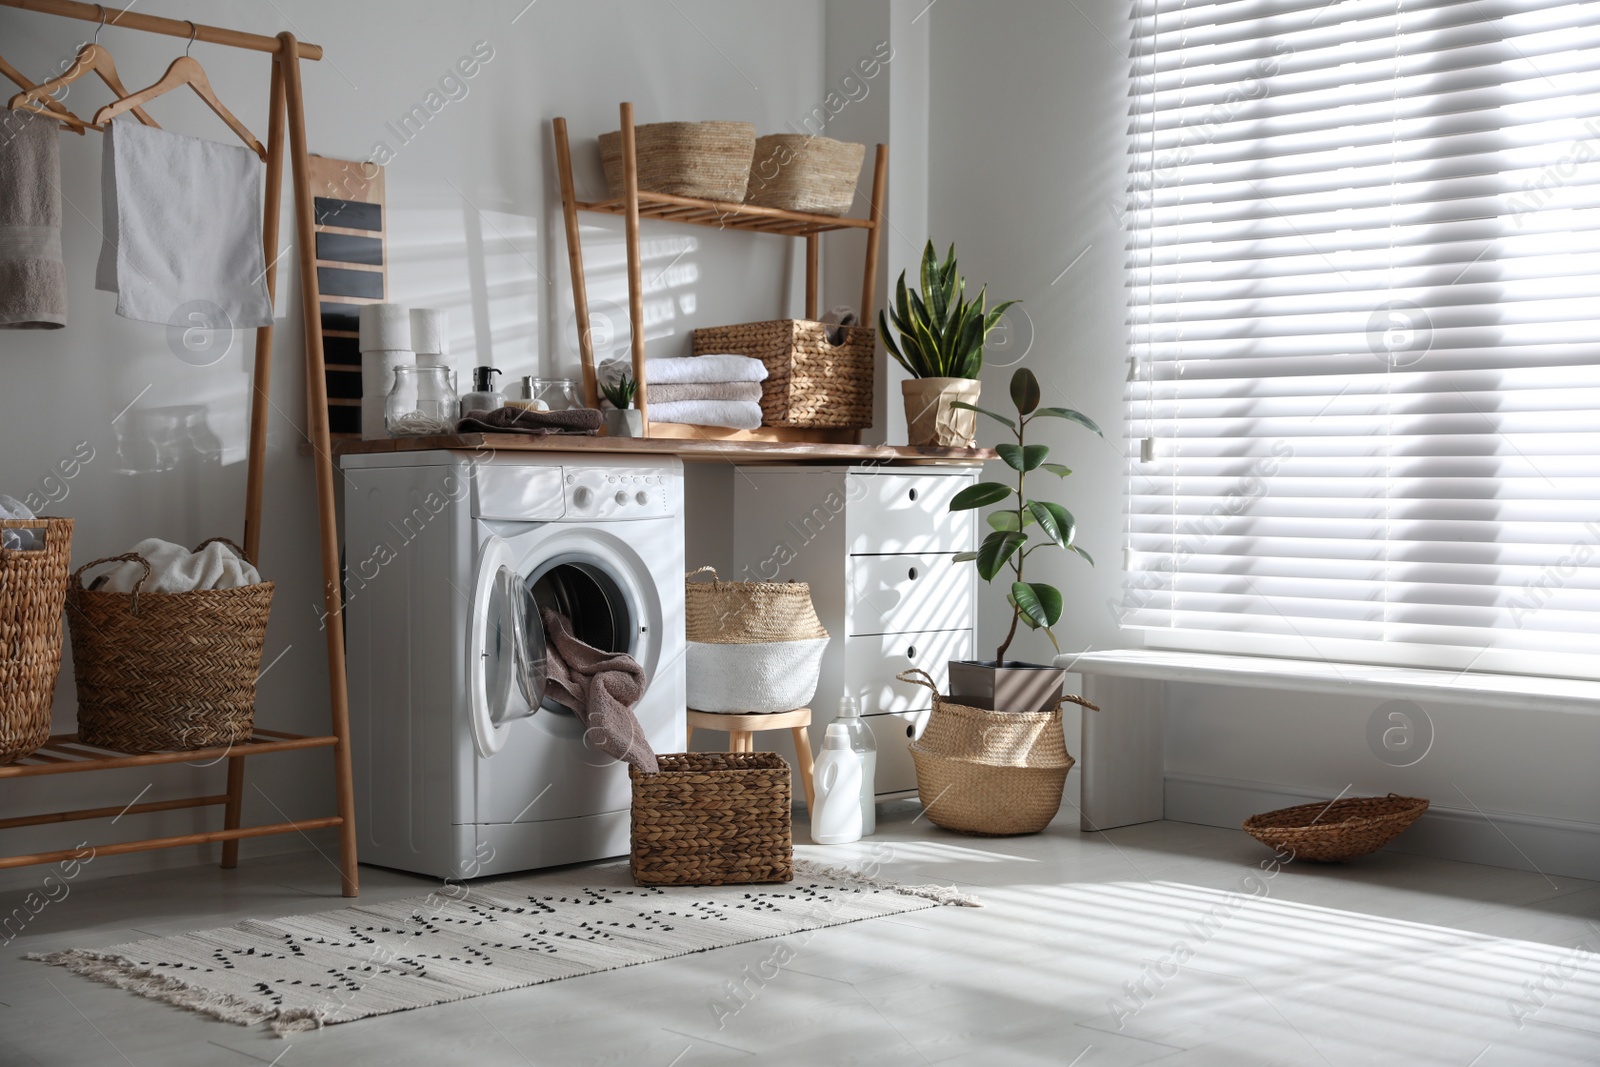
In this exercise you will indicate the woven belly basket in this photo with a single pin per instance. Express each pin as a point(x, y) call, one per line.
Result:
point(754, 647)
point(994, 773)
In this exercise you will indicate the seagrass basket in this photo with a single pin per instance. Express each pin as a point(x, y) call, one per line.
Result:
point(991, 773)
point(33, 587)
point(810, 382)
point(1343, 829)
point(705, 160)
point(799, 172)
point(166, 671)
point(753, 647)
point(712, 818)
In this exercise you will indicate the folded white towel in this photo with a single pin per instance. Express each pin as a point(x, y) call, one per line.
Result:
point(174, 569)
point(733, 414)
point(710, 368)
point(18, 540)
point(182, 230)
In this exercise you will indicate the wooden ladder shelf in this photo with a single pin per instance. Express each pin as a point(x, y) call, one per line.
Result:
point(635, 204)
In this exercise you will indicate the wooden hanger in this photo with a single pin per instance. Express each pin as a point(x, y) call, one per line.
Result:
point(50, 102)
point(184, 71)
point(91, 57)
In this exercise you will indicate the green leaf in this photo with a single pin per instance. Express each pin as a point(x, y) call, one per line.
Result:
point(976, 496)
point(1025, 620)
point(1057, 469)
point(982, 411)
point(1039, 602)
point(1024, 391)
point(1022, 458)
point(995, 550)
point(1003, 520)
point(964, 557)
point(1056, 521)
point(1076, 416)
point(1082, 553)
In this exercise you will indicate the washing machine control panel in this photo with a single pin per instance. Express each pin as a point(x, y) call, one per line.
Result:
point(619, 493)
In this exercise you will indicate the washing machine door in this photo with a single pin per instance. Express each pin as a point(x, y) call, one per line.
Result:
point(506, 653)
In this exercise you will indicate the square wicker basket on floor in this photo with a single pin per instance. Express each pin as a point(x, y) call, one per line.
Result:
point(712, 818)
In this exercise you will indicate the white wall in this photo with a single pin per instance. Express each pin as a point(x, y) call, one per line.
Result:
point(1028, 163)
point(475, 227)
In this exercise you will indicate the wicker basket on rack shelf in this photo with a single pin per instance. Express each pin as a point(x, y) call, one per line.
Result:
point(704, 160)
point(712, 818)
point(166, 671)
point(810, 382)
point(33, 587)
point(991, 773)
point(1328, 832)
point(799, 172)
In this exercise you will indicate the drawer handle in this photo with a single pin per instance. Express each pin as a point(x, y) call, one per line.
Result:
point(911, 732)
point(911, 652)
point(913, 494)
point(912, 574)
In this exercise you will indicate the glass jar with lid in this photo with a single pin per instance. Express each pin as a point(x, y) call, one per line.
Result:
point(422, 402)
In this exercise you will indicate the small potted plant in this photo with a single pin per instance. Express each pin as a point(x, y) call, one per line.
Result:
point(625, 420)
point(941, 347)
point(1016, 532)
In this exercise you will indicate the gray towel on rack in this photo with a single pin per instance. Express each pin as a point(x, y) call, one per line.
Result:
point(182, 230)
point(33, 281)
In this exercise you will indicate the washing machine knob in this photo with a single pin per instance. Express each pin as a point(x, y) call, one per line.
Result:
point(622, 496)
point(582, 496)
point(642, 497)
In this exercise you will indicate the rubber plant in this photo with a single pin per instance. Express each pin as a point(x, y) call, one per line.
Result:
point(941, 332)
point(1016, 532)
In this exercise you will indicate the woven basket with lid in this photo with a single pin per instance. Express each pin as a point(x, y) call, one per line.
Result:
point(33, 587)
point(992, 773)
point(166, 671)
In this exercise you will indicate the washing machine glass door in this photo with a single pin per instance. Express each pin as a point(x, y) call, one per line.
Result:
point(506, 655)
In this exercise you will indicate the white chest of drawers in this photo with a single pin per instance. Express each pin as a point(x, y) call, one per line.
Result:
point(876, 545)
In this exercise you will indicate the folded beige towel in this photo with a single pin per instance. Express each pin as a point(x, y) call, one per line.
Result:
point(33, 282)
point(670, 393)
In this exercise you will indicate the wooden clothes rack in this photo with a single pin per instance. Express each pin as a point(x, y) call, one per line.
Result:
point(64, 753)
point(635, 204)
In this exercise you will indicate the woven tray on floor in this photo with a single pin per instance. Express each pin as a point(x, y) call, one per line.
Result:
point(712, 818)
point(1328, 832)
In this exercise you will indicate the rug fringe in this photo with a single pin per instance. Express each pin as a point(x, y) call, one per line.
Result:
point(123, 973)
point(946, 895)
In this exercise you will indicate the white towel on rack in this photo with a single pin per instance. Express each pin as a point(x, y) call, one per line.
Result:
point(182, 228)
point(682, 370)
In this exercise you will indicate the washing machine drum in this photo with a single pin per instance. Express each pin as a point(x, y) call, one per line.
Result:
point(510, 677)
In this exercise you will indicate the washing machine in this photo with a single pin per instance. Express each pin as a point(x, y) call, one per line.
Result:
point(463, 766)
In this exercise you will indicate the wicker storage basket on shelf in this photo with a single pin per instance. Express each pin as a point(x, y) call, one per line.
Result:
point(705, 160)
point(166, 671)
point(810, 383)
point(1328, 832)
point(712, 818)
point(33, 586)
point(754, 647)
point(994, 773)
point(798, 172)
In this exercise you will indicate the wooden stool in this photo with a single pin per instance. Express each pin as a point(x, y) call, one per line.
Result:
point(741, 730)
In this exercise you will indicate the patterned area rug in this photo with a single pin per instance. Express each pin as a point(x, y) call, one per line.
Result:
point(306, 971)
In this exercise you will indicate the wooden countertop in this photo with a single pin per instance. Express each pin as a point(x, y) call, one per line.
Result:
point(707, 450)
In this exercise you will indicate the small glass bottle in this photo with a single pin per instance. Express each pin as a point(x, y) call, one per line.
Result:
point(866, 750)
point(422, 402)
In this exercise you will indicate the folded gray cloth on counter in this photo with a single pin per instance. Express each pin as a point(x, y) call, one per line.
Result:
point(731, 414)
point(668, 394)
point(516, 420)
point(33, 281)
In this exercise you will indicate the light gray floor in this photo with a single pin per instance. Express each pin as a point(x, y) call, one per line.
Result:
point(1164, 943)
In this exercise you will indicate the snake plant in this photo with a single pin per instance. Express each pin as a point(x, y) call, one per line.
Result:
point(941, 332)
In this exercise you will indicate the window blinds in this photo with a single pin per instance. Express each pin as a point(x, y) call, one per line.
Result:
point(1364, 296)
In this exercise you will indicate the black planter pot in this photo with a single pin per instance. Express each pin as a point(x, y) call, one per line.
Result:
point(1010, 686)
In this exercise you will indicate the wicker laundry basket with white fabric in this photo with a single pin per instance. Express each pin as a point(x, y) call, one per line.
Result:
point(754, 647)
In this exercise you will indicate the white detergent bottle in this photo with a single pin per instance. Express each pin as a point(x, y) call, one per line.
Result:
point(836, 780)
point(866, 749)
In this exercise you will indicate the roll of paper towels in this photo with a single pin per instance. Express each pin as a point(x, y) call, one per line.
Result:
point(429, 327)
point(386, 328)
point(377, 378)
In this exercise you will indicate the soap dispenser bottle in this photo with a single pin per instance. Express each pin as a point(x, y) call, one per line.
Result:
point(866, 750)
point(836, 781)
point(483, 397)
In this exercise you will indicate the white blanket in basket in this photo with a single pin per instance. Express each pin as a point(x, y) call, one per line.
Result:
point(754, 679)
